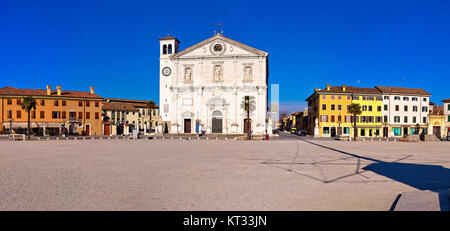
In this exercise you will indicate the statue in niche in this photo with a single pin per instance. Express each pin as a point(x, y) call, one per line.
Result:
point(247, 73)
point(218, 73)
point(188, 75)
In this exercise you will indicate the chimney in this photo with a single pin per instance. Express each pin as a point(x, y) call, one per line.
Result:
point(92, 89)
point(49, 89)
point(344, 87)
point(328, 87)
point(58, 89)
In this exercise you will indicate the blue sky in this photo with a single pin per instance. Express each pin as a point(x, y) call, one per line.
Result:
point(113, 45)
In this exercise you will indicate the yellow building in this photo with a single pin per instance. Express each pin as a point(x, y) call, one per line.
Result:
point(436, 121)
point(328, 108)
point(369, 123)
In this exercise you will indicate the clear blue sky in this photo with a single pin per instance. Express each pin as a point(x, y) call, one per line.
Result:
point(113, 45)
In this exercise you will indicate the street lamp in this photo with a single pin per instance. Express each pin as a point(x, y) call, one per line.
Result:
point(10, 126)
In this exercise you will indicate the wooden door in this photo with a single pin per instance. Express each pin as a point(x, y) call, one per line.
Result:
point(107, 130)
point(88, 129)
point(217, 125)
point(187, 125)
point(437, 131)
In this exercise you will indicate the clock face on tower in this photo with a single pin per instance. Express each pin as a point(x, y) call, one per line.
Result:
point(166, 71)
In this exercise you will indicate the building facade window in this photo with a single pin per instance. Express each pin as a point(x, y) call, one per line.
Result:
point(42, 114)
point(97, 116)
point(63, 103)
point(80, 103)
point(42, 102)
point(56, 103)
point(405, 119)
point(406, 108)
point(88, 115)
point(18, 114)
point(9, 114)
point(9, 101)
point(19, 101)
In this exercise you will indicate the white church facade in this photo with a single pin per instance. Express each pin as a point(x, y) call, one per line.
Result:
point(203, 87)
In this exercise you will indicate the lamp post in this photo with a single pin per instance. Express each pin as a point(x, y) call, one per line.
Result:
point(10, 126)
point(340, 120)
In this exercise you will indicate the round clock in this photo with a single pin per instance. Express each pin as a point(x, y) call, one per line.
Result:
point(166, 71)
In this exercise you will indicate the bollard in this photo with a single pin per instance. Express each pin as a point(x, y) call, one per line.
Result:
point(48, 138)
point(163, 137)
point(207, 138)
point(226, 138)
point(217, 138)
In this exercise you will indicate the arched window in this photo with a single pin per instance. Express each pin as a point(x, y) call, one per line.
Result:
point(169, 50)
point(165, 49)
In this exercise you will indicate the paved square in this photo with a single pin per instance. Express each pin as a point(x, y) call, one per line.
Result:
point(292, 174)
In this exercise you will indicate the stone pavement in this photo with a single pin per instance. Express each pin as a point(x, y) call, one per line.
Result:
point(291, 174)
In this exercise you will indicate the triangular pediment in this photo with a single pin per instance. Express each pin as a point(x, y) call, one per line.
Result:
point(227, 47)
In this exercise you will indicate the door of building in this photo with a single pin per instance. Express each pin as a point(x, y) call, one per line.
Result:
point(107, 131)
point(339, 131)
point(187, 125)
point(437, 131)
point(217, 125)
point(333, 132)
point(88, 129)
point(217, 122)
point(405, 131)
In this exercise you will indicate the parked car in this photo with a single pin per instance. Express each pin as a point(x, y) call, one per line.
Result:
point(293, 130)
point(301, 133)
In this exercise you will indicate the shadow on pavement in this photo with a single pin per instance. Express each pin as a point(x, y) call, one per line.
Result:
point(420, 176)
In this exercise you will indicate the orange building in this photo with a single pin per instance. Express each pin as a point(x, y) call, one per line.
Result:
point(57, 112)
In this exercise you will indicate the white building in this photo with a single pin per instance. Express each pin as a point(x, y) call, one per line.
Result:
point(202, 87)
point(404, 109)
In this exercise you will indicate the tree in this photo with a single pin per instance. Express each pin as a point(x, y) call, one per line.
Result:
point(28, 104)
point(355, 109)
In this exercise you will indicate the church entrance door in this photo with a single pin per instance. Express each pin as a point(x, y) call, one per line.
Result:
point(187, 125)
point(217, 122)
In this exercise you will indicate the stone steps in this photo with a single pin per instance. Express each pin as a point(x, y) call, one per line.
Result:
point(426, 200)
